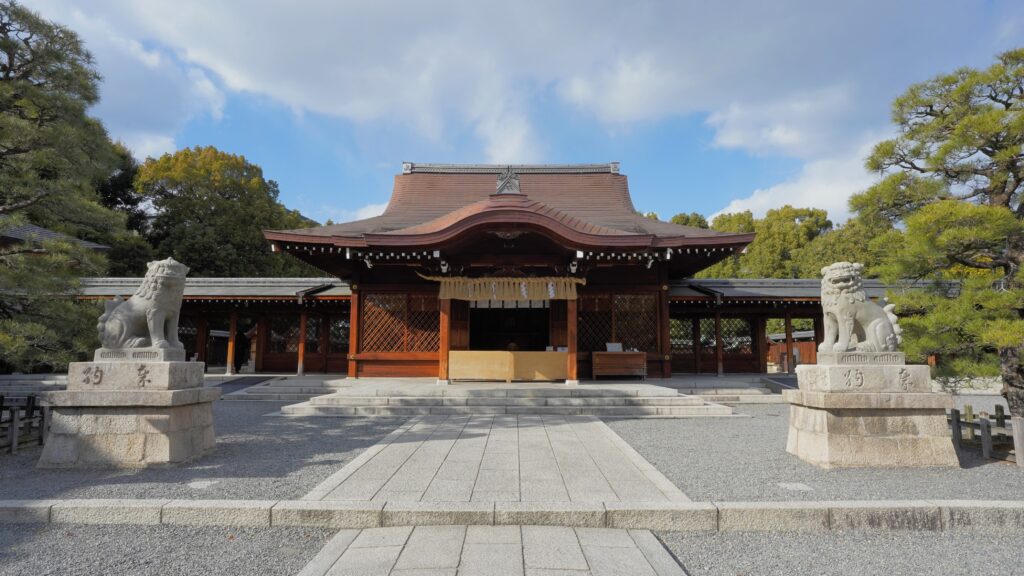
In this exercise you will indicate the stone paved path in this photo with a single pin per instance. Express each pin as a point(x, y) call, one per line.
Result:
point(493, 551)
point(500, 459)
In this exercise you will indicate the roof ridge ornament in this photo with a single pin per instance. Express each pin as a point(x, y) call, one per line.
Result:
point(508, 182)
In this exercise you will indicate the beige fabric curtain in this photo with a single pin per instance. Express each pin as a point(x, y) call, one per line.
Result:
point(480, 289)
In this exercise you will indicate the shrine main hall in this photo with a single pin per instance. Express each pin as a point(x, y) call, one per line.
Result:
point(501, 272)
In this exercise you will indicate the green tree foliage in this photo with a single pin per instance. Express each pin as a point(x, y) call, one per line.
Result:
point(209, 210)
point(776, 251)
point(692, 219)
point(51, 155)
point(953, 180)
point(117, 190)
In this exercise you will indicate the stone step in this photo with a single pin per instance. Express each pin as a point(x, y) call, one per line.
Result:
point(290, 390)
point(744, 399)
point(337, 400)
point(240, 397)
point(307, 409)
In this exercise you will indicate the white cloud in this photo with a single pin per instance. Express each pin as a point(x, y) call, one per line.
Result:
point(337, 215)
point(798, 78)
point(370, 210)
point(145, 144)
point(147, 95)
point(801, 125)
point(823, 183)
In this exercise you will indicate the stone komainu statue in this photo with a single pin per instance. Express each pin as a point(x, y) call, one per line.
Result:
point(852, 320)
point(150, 317)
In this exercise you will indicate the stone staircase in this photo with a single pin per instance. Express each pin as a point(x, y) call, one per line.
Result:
point(285, 390)
point(23, 385)
point(645, 402)
point(747, 395)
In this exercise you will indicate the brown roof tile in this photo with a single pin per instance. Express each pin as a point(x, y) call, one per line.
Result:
point(582, 198)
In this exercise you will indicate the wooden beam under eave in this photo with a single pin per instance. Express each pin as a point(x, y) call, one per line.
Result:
point(445, 305)
point(790, 364)
point(664, 326)
point(300, 369)
point(232, 329)
point(719, 345)
point(572, 307)
point(353, 335)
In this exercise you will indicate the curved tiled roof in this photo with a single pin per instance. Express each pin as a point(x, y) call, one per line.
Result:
point(590, 200)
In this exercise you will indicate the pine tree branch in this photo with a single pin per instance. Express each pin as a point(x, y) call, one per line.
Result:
point(8, 208)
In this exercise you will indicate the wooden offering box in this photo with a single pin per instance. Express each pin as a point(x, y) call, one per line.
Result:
point(507, 366)
point(619, 364)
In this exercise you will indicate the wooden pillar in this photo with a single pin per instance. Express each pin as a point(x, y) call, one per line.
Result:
point(232, 329)
point(665, 332)
point(445, 333)
point(719, 347)
point(571, 307)
point(698, 350)
point(300, 369)
point(202, 338)
point(261, 341)
point(790, 365)
point(761, 333)
point(353, 335)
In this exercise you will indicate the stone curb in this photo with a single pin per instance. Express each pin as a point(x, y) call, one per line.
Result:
point(790, 516)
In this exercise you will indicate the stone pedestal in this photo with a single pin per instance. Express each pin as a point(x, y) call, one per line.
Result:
point(130, 413)
point(860, 409)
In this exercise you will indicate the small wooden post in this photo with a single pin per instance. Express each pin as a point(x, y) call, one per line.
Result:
point(12, 434)
point(719, 345)
point(986, 438)
point(301, 368)
point(790, 361)
point(956, 432)
point(445, 333)
point(1017, 423)
point(969, 419)
point(1000, 416)
point(232, 328)
point(570, 333)
point(353, 334)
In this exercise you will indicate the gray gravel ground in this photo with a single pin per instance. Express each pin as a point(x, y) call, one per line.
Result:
point(739, 459)
point(157, 550)
point(257, 457)
point(843, 553)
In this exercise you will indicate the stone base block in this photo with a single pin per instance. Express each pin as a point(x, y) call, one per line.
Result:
point(134, 375)
point(865, 437)
point(127, 436)
point(864, 378)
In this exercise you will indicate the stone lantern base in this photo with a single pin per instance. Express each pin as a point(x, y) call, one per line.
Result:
point(858, 409)
point(130, 414)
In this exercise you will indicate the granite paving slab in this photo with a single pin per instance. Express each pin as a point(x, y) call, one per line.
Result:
point(494, 551)
point(555, 459)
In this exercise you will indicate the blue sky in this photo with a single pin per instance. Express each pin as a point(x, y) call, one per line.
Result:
point(710, 106)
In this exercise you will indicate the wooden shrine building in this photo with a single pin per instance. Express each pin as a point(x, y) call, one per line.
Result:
point(528, 272)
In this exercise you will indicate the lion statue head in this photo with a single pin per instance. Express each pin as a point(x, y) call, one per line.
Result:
point(162, 276)
point(843, 278)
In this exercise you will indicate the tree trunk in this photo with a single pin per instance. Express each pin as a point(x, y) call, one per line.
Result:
point(1011, 363)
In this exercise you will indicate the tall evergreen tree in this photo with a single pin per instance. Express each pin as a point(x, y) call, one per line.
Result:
point(953, 178)
point(51, 155)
